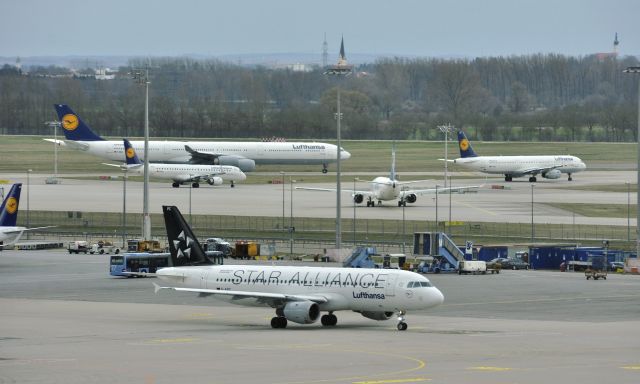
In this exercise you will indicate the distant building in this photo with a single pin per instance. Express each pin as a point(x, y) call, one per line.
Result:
point(613, 54)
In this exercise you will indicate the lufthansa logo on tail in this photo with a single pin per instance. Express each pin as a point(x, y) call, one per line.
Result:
point(464, 144)
point(12, 205)
point(130, 153)
point(70, 122)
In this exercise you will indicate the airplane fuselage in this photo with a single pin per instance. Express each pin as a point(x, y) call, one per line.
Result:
point(260, 152)
point(384, 188)
point(521, 165)
point(374, 290)
point(187, 172)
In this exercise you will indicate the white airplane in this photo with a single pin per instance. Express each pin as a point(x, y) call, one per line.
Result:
point(181, 173)
point(297, 294)
point(549, 167)
point(9, 232)
point(242, 154)
point(389, 188)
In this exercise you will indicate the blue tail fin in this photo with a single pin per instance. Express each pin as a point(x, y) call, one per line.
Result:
point(465, 146)
point(73, 127)
point(9, 208)
point(130, 154)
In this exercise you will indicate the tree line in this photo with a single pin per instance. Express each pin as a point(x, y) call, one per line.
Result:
point(534, 98)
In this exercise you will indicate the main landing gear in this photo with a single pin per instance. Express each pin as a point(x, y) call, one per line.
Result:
point(570, 179)
point(508, 178)
point(329, 320)
point(232, 185)
point(324, 168)
point(195, 185)
point(279, 322)
point(402, 326)
point(532, 179)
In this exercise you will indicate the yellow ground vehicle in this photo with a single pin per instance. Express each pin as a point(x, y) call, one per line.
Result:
point(139, 245)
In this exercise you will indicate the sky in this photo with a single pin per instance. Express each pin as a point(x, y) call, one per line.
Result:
point(467, 28)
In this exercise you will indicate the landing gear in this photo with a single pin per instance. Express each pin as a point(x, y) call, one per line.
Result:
point(570, 179)
point(175, 185)
point(402, 203)
point(195, 185)
point(324, 168)
point(508, 178)
point(279, 322)
point(532, 179)
point(402, 326)
point(232, 185)
point(329, 320)
point(370, 203)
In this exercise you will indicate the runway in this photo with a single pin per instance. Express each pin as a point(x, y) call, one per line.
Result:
point(511, 204)
point(64, 320)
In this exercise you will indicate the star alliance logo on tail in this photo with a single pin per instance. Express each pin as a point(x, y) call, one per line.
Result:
point(183, 246)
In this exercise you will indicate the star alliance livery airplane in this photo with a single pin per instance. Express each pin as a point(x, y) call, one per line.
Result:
point(242, 154)
point(181, 173)
point(297, 294)
point(549, 167)
point(389, 188)
point(9, 232)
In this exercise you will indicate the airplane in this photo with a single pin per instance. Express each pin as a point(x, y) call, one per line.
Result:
point(389, 188)
point(242, 154)
point(9, 232)
point(298, 294)
point(181, 173)
point(549, 167)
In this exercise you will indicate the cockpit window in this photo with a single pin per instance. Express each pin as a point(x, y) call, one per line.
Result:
point(418, 284)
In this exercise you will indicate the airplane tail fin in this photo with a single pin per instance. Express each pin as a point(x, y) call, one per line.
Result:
point(9, 208)
point(130, 154)
point(465, 146)
point(73, 127)
point(183, 244)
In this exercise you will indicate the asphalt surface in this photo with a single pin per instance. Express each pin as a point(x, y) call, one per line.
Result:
point(63, 319)
point(510, 204)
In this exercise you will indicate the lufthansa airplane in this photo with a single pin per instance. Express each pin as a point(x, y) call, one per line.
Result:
point(297, 294)
point(389, 188)
point(181, 173)
point(549, 167)
point(242, 154)
point(9, 232)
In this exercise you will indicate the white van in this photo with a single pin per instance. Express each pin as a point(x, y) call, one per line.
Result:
point(472, 266)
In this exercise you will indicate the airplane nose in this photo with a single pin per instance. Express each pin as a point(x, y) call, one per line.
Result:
point(243, 176)
point(437, 297)
point(344, 155)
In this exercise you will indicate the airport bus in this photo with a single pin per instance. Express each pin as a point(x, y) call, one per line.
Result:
point(137, 262)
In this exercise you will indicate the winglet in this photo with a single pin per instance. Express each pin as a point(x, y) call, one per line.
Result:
point(156, 288)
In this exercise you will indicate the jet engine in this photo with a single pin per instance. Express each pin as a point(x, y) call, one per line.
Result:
point(552, 174)
point(411, 198)
point(215, 180)
point(358, 198)
point(377, 315)
point(245, 165)
point(302, 312)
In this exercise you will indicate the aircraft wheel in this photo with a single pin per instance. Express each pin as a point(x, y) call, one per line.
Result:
point(278, 322)
point(195, 185)
point(329, 320)
point(175, 185)
point(325, 170)
point(402, 326)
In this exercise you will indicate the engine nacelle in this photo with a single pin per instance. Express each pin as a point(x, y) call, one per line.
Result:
point(377, 315)
point(301, 312)
point(411, 198)
point(245, 165)
point(552, 174)
point(215, 180)
point(358, 198)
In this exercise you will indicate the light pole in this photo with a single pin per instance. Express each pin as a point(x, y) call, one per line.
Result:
point(437, 228)
point(28, 192)
point(124, 209)
point(403, 227)
point(445, 129)
point(190, 188)
point(282, 180)
point(354, 210)
point(54, 125)
point(636, 70)
point(291, 228)
point(142, 77)
point(341, 69)
point(628, 211)
point(533, 233)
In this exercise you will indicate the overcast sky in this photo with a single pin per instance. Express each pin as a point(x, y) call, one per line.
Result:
point(425, 28)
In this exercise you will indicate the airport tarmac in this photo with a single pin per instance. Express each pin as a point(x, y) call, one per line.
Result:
point(511, 204)
point(65, 320)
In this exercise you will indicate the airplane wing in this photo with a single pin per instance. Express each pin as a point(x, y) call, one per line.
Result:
point(22, 229)
point(70, 143)
point(535, 171)
point(201, 157)
point(351, 191)
point(272, 299)
point(412, 182)
point(429, 191)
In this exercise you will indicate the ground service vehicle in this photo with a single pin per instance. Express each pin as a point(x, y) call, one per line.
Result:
point(78, 246)
point(472, 266)
point(137, 262)
point(139, 245)
point(102, 247)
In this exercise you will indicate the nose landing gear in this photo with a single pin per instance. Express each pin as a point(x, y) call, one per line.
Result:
point(402, 326)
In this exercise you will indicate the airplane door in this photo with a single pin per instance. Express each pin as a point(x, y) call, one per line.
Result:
point(390, 287)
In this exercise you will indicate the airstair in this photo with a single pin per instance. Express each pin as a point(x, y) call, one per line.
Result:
point(439, 246)
point(361, 258)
